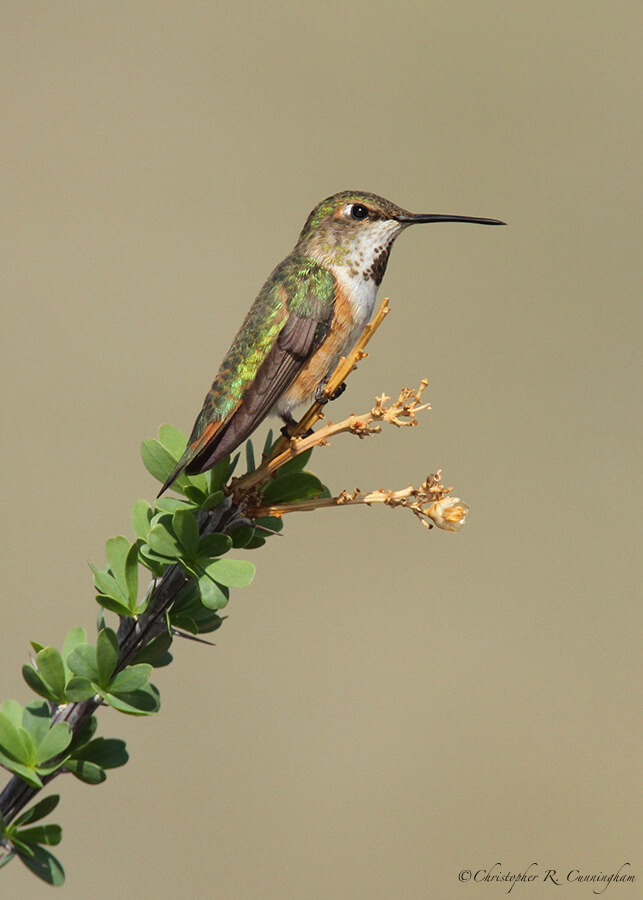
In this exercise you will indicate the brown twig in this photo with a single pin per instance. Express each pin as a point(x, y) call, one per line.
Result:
point(430, 503)
point(402, 413)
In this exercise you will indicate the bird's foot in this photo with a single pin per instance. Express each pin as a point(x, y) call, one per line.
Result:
point(287, 431)
point(321, 387)
point(338, 391)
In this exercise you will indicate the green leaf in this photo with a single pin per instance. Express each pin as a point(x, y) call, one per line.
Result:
point(212, 595)
point(79, 689)
point(215, 544)
point(86, 771)
point(50, 834)
point(37, 647)
point(13, 711)
point(83, 736)
point(108, 753)
point(130, 678)
point(52, 669)
point(36, 720)
point(203, 621)
point(21, 845)
point(107, 584)
point(106, 655)
point(36, 683)
point(116, 550)
point(292, 486)
point(232, 466)
point(141, 516)
point(74, 637)
point(242, 536)
point(157, 459)
point(39, 810)
point(143, 702)
point(11, 744)
point(267, 446)
point(28, 745)
point(173, 439)
point(250, 457)
point(272, 523)
point(200, 482)
point(26, 772)
point(151, 561)
point(189, 569)
point(231, 572)
point(218, 475)
point(123, 561)
point(114, 605)
point(255, 543)
point(160, 458)
point(57, 739)
point(43, 864)
point(185, 623)
point(155, 651)
point(82, 661)
point(194, 494)
point(161, 541)
point(296, 464)
point(131, 574)
point(186, 530)
point(215, 499)
point(189, 608)
point(170, 505)
point(187, 596)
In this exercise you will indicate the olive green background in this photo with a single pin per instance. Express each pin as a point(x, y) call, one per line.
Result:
point(385, 706)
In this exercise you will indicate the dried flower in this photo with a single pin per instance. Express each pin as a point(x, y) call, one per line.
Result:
point(449, 513)
point(430, 503)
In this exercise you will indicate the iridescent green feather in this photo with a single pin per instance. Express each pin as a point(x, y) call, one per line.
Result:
point(306, 284)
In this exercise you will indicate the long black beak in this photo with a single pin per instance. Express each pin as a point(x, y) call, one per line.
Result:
point(411, 219)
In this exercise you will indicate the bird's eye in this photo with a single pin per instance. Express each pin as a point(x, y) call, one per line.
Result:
point(359, 211)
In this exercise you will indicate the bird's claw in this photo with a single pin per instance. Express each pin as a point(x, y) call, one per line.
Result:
point(338, 391)
point(320, 396)
point(289, 437)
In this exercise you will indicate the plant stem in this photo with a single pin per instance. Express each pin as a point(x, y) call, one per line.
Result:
point(133, 635)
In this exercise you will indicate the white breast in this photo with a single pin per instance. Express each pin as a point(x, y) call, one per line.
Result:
point(357, 273)
point(361, 294)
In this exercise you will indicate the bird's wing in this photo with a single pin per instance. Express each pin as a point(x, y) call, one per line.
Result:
point(293, 347)
point(309, 295)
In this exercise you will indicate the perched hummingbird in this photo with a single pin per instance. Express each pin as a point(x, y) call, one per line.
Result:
point(309, 313)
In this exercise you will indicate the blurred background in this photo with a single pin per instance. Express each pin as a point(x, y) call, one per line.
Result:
point(385, 706)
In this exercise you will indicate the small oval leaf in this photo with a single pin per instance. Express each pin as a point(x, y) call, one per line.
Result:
point(131, 679)
point(52, 669)
point(106, 655)
point(82, 661)
point(216, 544)
point(231, 572)
point(86, 771)
point(57, 739)
point(162, 542)
point(39, 810)
point(141, 515)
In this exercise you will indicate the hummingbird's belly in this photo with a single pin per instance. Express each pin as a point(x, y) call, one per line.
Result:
point(353, 309)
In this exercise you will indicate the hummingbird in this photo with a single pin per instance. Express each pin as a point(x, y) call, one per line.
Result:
point(309, 313)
